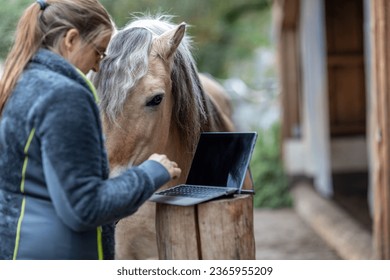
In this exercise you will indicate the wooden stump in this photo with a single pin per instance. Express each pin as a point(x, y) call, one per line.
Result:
point(176, 232)
point(220, 229)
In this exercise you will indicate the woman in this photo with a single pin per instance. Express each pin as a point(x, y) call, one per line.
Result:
point(55, 199)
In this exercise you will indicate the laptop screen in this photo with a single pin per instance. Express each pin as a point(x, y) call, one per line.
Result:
point(222, 159)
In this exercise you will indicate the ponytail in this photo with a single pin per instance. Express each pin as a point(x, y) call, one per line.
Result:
point(28, 39)
point(44, 24)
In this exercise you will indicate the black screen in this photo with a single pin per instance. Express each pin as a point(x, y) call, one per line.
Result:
point(222, 159)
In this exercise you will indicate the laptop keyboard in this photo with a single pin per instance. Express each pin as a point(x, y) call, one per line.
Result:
point(193, 191)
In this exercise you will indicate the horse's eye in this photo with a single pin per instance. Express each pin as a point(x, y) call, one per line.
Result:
point(155, 101)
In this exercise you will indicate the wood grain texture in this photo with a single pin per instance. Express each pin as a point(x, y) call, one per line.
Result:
point(176, 231)
point(219, 229)
point(226, 229)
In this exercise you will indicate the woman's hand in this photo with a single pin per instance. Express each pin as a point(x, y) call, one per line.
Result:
point(171, 166)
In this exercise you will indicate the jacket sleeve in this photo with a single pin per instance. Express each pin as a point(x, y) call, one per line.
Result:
point(69, 130)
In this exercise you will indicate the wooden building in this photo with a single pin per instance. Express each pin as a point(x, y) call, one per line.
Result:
point(334, 66)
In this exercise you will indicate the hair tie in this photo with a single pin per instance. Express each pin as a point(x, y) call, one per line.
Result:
point(42, 4)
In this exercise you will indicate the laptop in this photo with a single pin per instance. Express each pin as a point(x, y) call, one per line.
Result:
point(218, 169)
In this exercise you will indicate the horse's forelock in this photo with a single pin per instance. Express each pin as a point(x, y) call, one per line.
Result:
point(126, 63)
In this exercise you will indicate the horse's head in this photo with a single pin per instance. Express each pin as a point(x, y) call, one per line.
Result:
point(150, 93)
point(151, 101)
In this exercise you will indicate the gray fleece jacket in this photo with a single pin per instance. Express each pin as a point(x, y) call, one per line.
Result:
point(56, 201)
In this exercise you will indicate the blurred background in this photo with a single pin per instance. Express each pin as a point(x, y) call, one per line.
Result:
point(233, 41)
point(310, 76)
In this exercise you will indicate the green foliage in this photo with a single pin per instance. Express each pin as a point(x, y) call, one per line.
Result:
point(270, 181)
point(9, 14)
point(224, 32)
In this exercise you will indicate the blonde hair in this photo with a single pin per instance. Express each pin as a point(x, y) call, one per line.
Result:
point(45, 28)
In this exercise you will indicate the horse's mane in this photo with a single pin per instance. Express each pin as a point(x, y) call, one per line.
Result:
point(127, 62)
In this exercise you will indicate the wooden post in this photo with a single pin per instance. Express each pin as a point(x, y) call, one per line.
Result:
point(380, 121)
point(176, 231)
point(220, 229)
point(285, 14)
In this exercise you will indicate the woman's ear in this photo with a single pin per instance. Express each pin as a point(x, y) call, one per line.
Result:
point(72, 37)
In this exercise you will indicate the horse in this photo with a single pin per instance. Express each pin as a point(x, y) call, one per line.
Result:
point(153, 100)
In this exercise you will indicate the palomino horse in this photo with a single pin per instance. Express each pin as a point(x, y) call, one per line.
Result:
point(152, 100)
